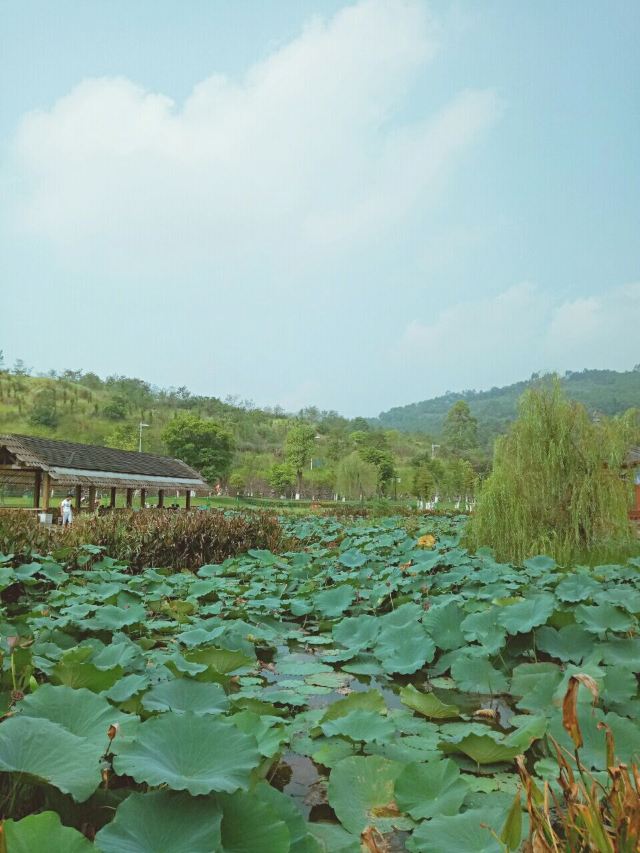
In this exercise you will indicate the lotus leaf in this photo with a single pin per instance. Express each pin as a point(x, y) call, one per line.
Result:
point(427, 704)
point(183, 694)
point(520, 618)
point(361, 791)
point(44, 833)
point(360, 725)
point(189, 752)
point(433, 788)
point(163, 821)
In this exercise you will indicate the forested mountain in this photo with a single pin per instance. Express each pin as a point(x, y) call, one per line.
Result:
point(606, 391)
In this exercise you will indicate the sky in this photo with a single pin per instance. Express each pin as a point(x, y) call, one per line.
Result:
point(348, 205)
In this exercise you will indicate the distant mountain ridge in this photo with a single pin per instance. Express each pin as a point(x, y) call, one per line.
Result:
point(607, 391)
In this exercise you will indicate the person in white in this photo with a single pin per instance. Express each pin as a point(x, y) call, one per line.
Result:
point(66, 508)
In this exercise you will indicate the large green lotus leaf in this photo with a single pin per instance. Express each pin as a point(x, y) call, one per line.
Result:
point(126, 687)
point(462, 833)
point(126, 655)
point(163, 821)
point(74, 670)
point(80, 712)
point(443, 623)
point(332, 838)
point(406, 652)
point(43, 833)
point(189, 752)
point(364, 664)
point(267, 730)
point(357, 632)
point(621, 596)
point(540, 565)
point(621, 652)
point(478, 675)
point(619, 685)
point(331, 750)
point(426, 790)
point(49, 752)
point(183, 694)
point(483, 749)
point(352, 558)
point(405, 616)
point(301, 840)
point(483, 627)
point(427, 704)
point(577, 587)
point(334, 601)
point(360, 725)
point(520, 618)
point(250, 824)
point(536, 684)
point(302, 667)
point(361, 791)
point(603, 617)
point(218, 662)
point(369, 700)
point(112, 618)
point(571, 643)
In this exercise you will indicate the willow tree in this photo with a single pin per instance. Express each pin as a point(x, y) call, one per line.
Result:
point(557, 484)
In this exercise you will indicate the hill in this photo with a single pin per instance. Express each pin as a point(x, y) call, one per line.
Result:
point(606, 391)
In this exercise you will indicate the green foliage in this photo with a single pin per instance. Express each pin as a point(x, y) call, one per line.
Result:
point(556, 485)
point(116, 408)
point(123, 437)
point(460, 429)
point(281, 478)
point(355, 478)
point(298, 448)
point(44, 411)
point(205, 445)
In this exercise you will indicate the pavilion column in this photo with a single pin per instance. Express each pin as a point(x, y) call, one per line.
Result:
point(129, 498)
point(92, 498)
point(187, 499)
point(78, 498)
point(46, 490)
point(112, 502)
point(160, 497)
point(143, 498)
point(37, 488)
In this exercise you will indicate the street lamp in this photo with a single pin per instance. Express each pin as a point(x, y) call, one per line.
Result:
point(141, 426)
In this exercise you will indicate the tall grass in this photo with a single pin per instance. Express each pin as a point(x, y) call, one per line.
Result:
point(557, 484)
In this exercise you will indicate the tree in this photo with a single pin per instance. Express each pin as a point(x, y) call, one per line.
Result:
point(383, 462)
point(44, 411)
point(124, 437)
point(356, 479)
point(116, 408)
point(556, 486)
point(460, 429)
point(424, 483)
point(281, 478)
point(205, 445)
point(298, 448)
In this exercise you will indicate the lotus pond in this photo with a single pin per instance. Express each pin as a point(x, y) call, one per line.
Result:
point(372, 686)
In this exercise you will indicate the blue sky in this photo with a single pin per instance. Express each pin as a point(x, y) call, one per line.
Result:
point(348, 205)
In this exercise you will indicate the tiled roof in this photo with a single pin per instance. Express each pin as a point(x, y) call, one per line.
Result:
point(68, 461)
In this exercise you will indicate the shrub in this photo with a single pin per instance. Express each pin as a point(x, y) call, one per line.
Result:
point(161, 538)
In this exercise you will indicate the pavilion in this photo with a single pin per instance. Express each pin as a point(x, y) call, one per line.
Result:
point(44, 464)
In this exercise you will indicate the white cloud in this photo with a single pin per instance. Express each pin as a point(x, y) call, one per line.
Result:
point(301, 156)
point(504, 338)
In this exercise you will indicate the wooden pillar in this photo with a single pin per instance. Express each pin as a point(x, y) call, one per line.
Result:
point(92, 498)
point(37, 488)
point(638, 498)
point(46, 490)
point(78, 498)
point(129, 498)
point(143, 498)
point(112, 502)
point(187, 499)
point(160, 497)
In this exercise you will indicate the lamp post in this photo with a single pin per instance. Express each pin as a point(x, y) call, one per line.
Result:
point(141, 426)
